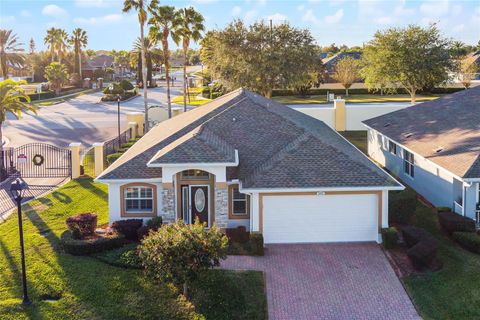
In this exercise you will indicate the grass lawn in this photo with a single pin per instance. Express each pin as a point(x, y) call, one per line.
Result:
point(353, 98)
point(454, 291)
point(194, 101)
point(68, 287)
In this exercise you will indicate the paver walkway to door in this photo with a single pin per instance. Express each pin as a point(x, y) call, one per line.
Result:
point(329, 281)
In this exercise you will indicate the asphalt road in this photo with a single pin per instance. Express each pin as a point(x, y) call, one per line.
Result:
point(83, 119)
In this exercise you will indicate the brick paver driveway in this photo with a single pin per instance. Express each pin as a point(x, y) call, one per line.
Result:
point(329, 281)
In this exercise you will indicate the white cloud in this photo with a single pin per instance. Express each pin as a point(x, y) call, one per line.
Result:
point(92, 3)
point(7, 19)
point(335, 18)
point(458, 28)
point(278, 18)
point(25, 13)
point(54, 10)
point(109, 18)
point(250, 16)
point(204, 1)
point(433, 8)
point(301, 7)
point(310, 17)
point(236, 11)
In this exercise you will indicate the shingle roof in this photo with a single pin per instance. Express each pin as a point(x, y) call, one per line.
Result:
point(277, 146)
point(446, 131)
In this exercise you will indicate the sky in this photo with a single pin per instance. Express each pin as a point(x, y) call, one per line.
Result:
point(350, 22)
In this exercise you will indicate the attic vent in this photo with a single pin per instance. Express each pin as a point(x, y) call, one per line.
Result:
point(408, 135)
point(234, 119)
point(439, 149)
point(387, 124)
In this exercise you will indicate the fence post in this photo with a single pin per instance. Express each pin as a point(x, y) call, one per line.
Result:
point(75, 151)
point(340, 115)
point(98, 158)
point(133, 125)
point(139, 118)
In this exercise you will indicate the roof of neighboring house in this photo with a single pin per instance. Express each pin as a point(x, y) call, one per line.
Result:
point(473, 57)
point(101, 61)
point(277, 147)
point(330, 62)
point(445, 131)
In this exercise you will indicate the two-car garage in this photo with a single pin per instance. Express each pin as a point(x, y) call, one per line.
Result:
point(320, 217)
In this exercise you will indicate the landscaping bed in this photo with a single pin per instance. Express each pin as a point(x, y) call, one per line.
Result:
point(63, 286)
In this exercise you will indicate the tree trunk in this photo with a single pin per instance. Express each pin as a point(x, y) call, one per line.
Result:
point(80, 64)
point(144, 76)
point(185, 290)
point(1, 141)
point(167, 74)
point(4, 69)
point(413, 97)
point(185, 48)
point(346, 92)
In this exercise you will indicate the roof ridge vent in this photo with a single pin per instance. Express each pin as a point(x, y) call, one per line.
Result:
point(408, 135)
point(387, 124)
point(439, 149)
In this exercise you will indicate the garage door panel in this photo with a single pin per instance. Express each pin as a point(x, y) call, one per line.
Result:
point(323, 218)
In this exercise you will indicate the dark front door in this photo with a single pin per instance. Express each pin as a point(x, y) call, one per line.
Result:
point(199, 203)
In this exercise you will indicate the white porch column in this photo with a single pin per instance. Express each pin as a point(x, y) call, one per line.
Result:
point(75, 159)
point(98, 158)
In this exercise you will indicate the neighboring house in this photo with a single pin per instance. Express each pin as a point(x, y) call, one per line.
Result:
point(100, 62)
point(244, 160)
point(474, 58)
point(434, 147)
point(330, 63)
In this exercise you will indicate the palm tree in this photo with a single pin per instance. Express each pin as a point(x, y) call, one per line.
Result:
point(191, 28)
point(79, 40)
point(164, 23)
point(151, 54)
point(62, 44)
point(51, 41)
point(9, 51)
point(12, 100)
point(141, 7)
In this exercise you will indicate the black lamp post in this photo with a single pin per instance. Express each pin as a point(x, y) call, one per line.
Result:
point(118, 120)
point(17, 190)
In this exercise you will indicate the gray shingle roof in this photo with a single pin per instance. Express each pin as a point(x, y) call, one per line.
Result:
point(450, 123)
point(277, 146)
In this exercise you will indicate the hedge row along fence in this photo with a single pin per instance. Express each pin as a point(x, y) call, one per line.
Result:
point(290, 92)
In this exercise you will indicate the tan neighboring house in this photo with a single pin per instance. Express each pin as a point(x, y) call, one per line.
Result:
point(244, 160)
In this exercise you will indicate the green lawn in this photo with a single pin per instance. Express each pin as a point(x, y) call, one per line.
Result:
point(193, 101)
point(454, 291)
point(353, 98)
point(68, 287)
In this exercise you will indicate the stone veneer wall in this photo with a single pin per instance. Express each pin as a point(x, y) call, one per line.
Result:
point(168, 205)
point(221, 207)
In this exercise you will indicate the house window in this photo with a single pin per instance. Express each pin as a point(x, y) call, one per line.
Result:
point(392, 147)
point(409, 162)
point(239, 206)
point(138, 199)
point(195, 175)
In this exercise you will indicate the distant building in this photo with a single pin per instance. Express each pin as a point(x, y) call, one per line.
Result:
point(101, 62)
point(330, 63)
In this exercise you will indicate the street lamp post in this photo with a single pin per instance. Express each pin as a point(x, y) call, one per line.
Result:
point(118, 121)
point(17, 190)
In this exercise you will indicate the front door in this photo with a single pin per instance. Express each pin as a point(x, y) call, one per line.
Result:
point(199, 203)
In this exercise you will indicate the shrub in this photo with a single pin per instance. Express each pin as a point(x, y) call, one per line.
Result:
point(126, 85)
point(114, 97)
point(401, 206)
point(153, 224)
point(82, 225)
point(256, 242)
point(116, 89)
point(111, 158)
point(42, 96)
point(390, 237)
point(75, 79)
point(124, 257)
point(453, 222)
point(413, 235)
point(180, 253)
point(468, 240)
point(129, 228)
point(423, 253)
point(128, 144)
point(238, 234)
point(101, 243)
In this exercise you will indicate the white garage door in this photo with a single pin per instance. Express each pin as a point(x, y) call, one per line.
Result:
point(320, 218)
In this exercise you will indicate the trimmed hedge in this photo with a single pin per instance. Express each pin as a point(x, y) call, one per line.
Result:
point(238, 234)
point(453, 222)
point(152, 225)
point(253, 247)
point(89, 246)
point(401, 206)
point(113, 97)
point(42, 96)
point(390, 237)
point(468, 240)
point(422, 246)
point(129, 228)
point(291, 92)
point(81, 225)
point(126, 85)
point(256, 242)
point(111, 158)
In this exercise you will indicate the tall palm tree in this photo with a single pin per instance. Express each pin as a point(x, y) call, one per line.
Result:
point(62, 44)
point(51, 41)
point(141, 7)
point(164, 22)
point(151, 54)
point(79, 40)
point(12, 100)
point(9, 51)
point(191, 28)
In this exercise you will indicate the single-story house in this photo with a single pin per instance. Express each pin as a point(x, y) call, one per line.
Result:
point(435, 148)
point(245, 160)
point(100, 62)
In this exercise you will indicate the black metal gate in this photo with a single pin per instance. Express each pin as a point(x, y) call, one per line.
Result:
point(42, 160)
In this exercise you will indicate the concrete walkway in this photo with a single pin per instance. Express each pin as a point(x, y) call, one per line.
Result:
point(329, 281)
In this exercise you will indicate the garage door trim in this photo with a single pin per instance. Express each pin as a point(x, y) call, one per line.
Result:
point(328, 193)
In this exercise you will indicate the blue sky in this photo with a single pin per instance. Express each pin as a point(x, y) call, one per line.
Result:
point(350, 22)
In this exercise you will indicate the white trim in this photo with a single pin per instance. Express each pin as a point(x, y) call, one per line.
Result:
point(420, 156)
point(195, 164)
point(244, 190)
point(122, 181)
